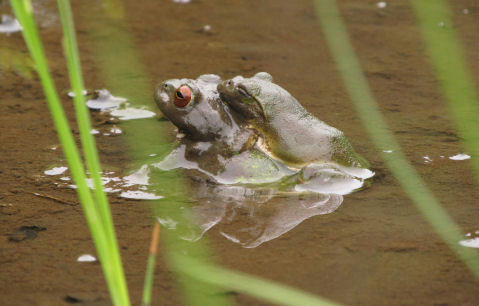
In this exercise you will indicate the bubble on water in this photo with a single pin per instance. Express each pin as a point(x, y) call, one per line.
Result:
point(104, 100)
point(207, 28)
point(470, 243)
point(115, 131)
point(9, 25)
point(65, 178)
point(131, 113)
point(86, 258)
point(427, 159)
point(387, 151)
point(461, 156)
point(381, 4)
point(94, 132)
point(182, 1)
point(140, 195)
point(139, 177)
point(71, 94)
point(56, 170)
point(465, 11)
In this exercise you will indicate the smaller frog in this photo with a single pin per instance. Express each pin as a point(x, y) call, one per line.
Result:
point(290, 133)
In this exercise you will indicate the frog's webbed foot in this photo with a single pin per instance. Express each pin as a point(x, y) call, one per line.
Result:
point(327, 178)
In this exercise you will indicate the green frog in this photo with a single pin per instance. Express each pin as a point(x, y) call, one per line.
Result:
point(289, 132)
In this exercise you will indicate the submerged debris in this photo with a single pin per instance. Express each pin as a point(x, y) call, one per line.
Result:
point(26, 233)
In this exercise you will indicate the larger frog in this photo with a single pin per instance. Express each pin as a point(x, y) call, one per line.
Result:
point(216, 142)
point(290, 132)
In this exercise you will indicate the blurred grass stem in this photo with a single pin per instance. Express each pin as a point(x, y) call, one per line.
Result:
point(366, 106)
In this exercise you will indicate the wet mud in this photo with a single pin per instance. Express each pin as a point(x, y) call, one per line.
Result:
point(375, 249)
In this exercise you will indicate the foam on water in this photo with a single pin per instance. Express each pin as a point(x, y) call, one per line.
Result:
point(86, 258)
point(9, 24)
point(130, 113)
point(461, 156)
point(56, 170)
point(140, 195)
point(104, 100)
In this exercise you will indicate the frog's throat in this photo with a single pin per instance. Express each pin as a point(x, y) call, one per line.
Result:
point(249, 99)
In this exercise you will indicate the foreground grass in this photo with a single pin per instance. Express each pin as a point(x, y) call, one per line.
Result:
point(96, 216)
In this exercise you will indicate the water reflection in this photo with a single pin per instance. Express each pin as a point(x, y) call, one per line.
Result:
point(249, 216)
point(246, 214)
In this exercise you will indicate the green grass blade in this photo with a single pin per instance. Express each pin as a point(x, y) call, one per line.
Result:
point(24, 13)
point(448, 59)
point(251, 285)
point(360, 93)
point(89, 146)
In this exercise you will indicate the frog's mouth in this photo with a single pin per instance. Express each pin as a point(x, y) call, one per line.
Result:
point(250, 101)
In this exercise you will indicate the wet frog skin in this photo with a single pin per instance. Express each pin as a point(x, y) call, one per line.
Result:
point(216, 142)
point(195, 108)
point(290, 133)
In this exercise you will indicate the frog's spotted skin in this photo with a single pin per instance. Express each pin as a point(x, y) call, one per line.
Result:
point(290, 133)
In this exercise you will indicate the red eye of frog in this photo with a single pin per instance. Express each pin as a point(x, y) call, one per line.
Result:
point(182, 96)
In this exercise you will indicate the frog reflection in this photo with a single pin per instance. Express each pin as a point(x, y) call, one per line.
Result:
point(246, 215)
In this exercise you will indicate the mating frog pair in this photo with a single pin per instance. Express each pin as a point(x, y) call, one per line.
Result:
point(251, 130)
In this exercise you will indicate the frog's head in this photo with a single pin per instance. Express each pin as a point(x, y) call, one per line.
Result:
point(257, 97)
point(194, 106)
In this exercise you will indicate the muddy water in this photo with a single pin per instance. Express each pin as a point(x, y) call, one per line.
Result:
point(375, 249)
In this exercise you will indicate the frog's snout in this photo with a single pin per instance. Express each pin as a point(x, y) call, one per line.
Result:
point(161, 93)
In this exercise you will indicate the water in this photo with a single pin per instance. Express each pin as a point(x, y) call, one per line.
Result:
point(374, 249)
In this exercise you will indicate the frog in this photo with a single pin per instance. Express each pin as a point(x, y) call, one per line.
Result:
point(216, 141)
point(288, 131)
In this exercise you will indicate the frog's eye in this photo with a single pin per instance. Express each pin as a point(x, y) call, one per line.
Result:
point(182, 96)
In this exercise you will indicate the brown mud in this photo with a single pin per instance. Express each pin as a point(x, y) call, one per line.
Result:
point(376, 249)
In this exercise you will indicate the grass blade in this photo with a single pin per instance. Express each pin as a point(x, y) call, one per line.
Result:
point(448, 59)
point(89, 146)
point(251, 285)
point(150, 266)
point(24, 13)
point(360, 93)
